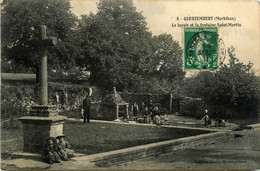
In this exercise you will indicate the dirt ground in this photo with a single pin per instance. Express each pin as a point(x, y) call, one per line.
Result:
point(241, 152)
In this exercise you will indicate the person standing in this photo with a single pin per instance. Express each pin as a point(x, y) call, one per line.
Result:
point(135, 110)
point(57, 99)
point(62, 100)
point(66, 98)
point(206, 118)
point(146, 115)
point(142, 107)
point(156, 116)
point(86, 106)
point(150, 108)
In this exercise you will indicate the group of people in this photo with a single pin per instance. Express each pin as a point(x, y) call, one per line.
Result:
point(149, 113)
point(57, 149)
point(207, 120)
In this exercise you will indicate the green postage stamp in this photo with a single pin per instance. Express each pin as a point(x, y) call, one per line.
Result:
point(200, 48)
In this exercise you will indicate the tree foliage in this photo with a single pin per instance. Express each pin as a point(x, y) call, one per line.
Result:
point(114, 44)
point(20, 21)
point(121, 52)
point(168, 54)
point(234, 88)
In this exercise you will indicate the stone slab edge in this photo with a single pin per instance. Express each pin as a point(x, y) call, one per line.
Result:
point(152, 125)
point(253, 126)
point(134, 153)
point(43, 119)
point(138, 152)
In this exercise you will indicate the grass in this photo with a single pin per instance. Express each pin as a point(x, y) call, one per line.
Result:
point(11, 140)
point(100, 137)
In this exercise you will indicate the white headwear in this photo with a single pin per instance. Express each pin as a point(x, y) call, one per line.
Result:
point(89, 91)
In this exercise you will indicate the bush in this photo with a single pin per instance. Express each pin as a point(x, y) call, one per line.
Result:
point(192, 107)
point(18, 97)
point(16, 100)
point(234, 89)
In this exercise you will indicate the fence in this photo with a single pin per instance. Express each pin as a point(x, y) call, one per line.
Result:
point(162, 101)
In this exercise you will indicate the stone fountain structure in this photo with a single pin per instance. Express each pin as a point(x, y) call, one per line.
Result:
point(112, 104)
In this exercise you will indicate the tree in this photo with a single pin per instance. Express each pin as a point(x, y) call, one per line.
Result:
point(121, 52)
point(165, 67)
point(233, 89)
point(116, 45)
point(238, 85)
point(168, 57)
point(20, 19)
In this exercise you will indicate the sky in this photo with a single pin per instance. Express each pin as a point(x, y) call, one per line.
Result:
point(161, 15)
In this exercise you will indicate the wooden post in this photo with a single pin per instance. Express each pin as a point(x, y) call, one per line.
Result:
point(126, 111)
point(170, 105)
point(117, 111)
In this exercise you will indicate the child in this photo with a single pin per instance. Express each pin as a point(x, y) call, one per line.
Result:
point(64, 148)
point(50, 154)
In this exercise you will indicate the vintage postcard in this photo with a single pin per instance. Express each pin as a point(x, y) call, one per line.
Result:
point(130, 85)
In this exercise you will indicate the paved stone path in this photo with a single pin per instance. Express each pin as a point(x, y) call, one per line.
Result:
point(242, 152)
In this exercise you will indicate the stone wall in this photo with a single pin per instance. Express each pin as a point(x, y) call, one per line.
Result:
point(155, 149)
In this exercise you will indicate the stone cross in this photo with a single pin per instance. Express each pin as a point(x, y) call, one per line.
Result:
point(43, 120)
point(44, 43)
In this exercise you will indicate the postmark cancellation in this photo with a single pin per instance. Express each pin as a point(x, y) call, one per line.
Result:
point(202, 49)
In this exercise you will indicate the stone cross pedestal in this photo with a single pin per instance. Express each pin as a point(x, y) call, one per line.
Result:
point(43, 120)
